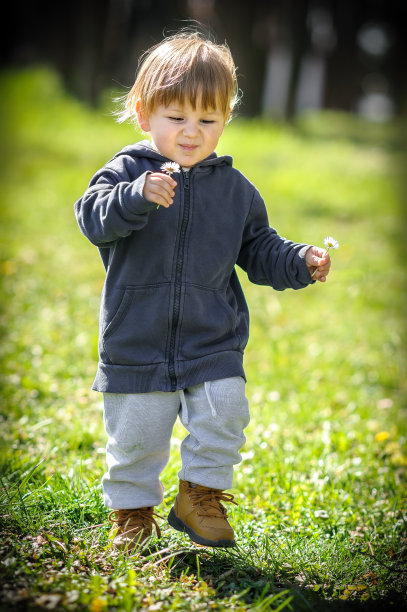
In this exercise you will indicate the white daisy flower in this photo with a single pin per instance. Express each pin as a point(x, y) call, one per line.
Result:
point(331, 243)
point(170, 167)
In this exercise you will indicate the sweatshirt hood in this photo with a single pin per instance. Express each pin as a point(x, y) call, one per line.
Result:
point(144, 149)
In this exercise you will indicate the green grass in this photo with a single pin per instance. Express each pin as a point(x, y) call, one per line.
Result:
point(321, 520)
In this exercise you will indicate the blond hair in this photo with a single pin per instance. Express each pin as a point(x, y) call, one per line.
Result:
point(185, 66)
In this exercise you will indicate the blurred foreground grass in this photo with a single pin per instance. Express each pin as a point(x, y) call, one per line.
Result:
point(321, 491)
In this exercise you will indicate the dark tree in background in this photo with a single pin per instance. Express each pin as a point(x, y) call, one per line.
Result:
point(291, 54)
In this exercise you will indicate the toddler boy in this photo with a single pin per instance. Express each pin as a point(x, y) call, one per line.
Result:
point(174, 322)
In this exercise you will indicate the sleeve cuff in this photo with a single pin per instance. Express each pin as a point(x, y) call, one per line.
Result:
point(134, 202)
point(304, 275)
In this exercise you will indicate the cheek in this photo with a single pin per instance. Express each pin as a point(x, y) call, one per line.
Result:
point(216, 135)
point(167, 132)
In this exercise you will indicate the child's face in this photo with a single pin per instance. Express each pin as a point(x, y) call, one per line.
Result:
point(183, 134)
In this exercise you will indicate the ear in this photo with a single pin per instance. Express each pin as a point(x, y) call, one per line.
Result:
point(142, 117)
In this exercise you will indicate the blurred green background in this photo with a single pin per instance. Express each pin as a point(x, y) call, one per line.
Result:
point(322, 485)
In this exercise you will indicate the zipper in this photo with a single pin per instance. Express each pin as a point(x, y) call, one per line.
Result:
point(178, 281)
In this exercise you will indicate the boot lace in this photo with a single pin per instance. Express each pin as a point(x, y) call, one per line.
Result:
point(135, 519)
point(209, 501)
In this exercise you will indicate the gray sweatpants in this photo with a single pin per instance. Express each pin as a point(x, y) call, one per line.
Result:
point(139, 428)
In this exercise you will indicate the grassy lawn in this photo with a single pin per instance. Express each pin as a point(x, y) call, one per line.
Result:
point(321, 521)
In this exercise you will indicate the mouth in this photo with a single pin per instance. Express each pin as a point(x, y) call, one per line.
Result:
point(188, 147)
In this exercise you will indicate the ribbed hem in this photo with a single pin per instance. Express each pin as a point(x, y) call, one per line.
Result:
point(155, 377)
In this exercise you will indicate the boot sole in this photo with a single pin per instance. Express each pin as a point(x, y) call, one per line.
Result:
point(179, 525)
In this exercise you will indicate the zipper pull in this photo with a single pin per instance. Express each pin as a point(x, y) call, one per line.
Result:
point(186, 179)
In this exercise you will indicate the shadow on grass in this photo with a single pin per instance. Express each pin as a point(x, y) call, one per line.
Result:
point(44, 572)
point(229, 575)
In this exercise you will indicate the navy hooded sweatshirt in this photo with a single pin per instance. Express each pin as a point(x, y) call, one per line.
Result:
point(173, 313)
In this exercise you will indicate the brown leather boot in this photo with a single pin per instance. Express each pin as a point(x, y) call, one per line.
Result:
point(198, 512)
point(132, 528)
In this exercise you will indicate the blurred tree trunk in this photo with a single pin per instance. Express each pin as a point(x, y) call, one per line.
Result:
point(343, 74)
point(244, 27)
point(296, 20)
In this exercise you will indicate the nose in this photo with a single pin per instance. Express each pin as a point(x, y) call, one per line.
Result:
point(190, 129)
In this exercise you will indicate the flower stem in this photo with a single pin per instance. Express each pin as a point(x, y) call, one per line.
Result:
point(324, 255)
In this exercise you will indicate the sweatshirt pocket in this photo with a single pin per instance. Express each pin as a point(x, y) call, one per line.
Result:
point(136, 334)
point(209, 323)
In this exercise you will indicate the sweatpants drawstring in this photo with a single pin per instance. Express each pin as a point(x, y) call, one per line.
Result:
point(184, 405)
point(208, 395)
point(184, 408)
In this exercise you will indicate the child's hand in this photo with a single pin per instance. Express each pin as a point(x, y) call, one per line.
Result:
point(318, 263)
point(159, 188)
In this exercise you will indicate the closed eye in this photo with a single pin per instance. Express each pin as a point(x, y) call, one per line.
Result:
point(207, 121)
